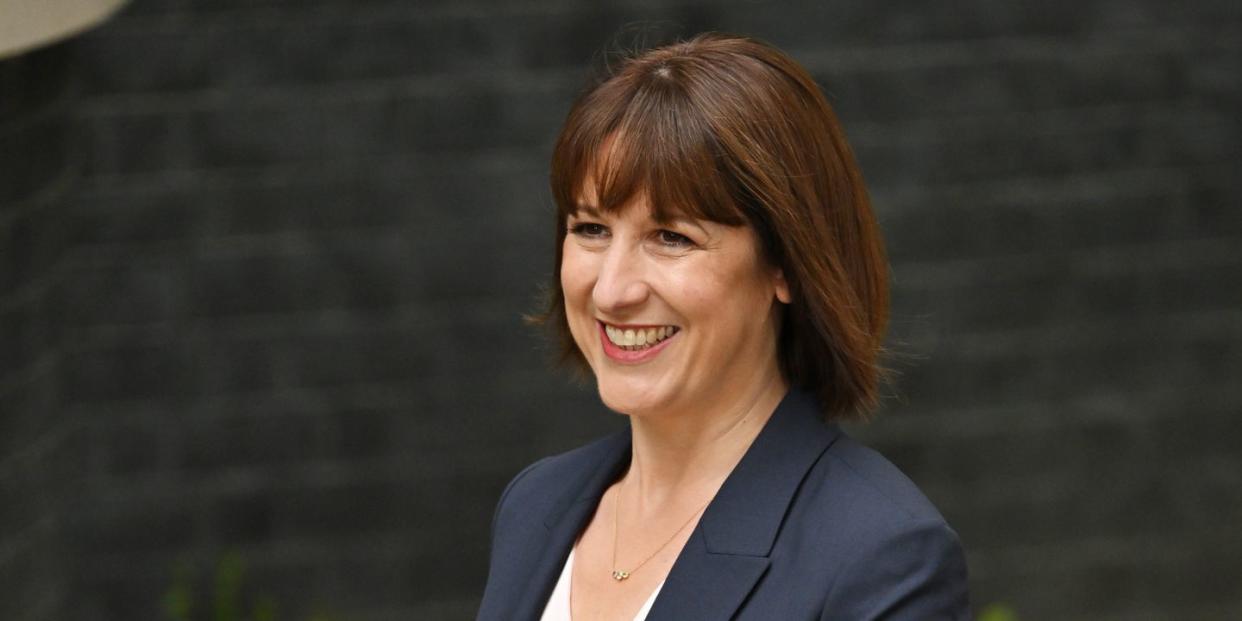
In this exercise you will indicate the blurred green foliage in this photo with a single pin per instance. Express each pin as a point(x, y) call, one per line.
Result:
point(226, 600)
point(998, 612)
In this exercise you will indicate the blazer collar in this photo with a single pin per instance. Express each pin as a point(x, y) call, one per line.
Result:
point(728, 550)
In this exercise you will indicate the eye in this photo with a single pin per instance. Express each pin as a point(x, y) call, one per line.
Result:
point(590, 230)
point(673, 239)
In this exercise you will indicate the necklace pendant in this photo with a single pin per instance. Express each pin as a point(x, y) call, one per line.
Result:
point(619, 575)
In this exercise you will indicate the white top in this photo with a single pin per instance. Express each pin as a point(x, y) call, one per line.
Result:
point(557, 608)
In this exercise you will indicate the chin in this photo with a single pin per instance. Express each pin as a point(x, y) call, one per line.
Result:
point(631, 398)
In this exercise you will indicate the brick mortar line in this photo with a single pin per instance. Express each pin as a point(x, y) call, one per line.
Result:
point(289, 551)
point(303, 402)
point(984, 559)
point(1048, 486)
point(297, 173)
point(1195, 323)
point(411, 318)
point(999, 50)
point(284, 399)
point(1133, 551)
point(1189, 110)
point(281, 243)
point(1047, 192)
point(983, 423)
point(1096, 262)
point(386, 395)
point(119, 495)
point(375, 90)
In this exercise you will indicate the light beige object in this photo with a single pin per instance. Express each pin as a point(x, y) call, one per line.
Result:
point(27, 24)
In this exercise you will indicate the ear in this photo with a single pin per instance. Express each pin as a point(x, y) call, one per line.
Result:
point(782, 287)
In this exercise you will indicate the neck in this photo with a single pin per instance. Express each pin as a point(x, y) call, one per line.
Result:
point(683, 459)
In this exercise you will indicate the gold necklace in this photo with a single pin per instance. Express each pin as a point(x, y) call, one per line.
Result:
point(620, 575)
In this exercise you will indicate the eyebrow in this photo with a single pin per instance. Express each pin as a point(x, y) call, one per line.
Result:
point(590, 210)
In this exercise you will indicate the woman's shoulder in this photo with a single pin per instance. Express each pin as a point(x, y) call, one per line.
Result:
point(873, 484)
point(868, 522)
point(853, 499)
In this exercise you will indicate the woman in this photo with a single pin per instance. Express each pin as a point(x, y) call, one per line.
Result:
point(721, 274)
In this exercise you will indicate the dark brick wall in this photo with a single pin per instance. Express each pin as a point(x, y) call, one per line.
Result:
point(38, 469)
point(277, 310)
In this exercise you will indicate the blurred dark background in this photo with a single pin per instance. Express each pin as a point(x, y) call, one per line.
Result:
point(263, 265)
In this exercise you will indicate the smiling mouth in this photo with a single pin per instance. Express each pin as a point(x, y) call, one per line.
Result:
point(638, 339)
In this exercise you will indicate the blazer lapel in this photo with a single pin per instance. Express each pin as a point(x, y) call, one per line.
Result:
point(727, 553)
point(566, 521)
point(705, 584)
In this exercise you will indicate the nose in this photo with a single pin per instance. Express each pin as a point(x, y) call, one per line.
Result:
point(621, 283)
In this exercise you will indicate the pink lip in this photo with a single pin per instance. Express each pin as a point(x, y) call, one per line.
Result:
point(626, 356)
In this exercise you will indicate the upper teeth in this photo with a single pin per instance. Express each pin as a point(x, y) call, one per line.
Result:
point(641, 337)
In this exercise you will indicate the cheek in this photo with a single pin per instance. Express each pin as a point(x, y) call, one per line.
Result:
point(577, 284)
point(576, 279)
point(730, 297)
point(704, 289)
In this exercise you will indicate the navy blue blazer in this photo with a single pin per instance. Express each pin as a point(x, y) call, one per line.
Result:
point(809, 525)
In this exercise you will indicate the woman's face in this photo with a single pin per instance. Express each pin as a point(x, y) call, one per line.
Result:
point(670, 316)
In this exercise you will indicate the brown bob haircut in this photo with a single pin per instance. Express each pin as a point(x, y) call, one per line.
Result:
point(731, 130)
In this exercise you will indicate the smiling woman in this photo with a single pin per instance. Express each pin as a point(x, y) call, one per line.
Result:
point(721, 275)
